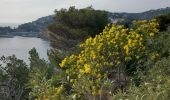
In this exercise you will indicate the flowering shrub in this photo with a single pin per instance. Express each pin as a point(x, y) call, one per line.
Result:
point(112, 48)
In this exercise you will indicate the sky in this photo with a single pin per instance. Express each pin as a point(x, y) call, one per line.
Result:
point(22, 11)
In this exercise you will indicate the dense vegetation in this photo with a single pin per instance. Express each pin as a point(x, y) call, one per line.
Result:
point(75, 25)
point(13, 78)
point(164, 22)
point(72, 25)
point(113, 64)
point(119, 63)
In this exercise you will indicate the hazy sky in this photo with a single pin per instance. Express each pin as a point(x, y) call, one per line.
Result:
point(21, 11)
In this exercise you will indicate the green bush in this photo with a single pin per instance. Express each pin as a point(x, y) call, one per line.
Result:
point(77, 24)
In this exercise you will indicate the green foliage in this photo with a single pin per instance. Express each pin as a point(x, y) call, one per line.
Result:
point(35, 61)
point(162, 43)
point(77, 24)
point(115, 48)
point(39, 71)
point(154, 85)
point(154, 80)
point(164, 21)
point(140, 52)
point(88, 19)
point(14, 76)
point(88, 73)
point(45, 81)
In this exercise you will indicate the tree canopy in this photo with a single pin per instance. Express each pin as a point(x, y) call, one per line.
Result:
point(164, 21)
point(78, 24)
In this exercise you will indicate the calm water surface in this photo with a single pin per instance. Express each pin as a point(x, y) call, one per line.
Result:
point(20, 46)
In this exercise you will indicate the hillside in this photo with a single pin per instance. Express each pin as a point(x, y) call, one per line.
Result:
point(147, 15)
point(41, 23)
point(35, 27)
point(28, 29)
point(70, 27)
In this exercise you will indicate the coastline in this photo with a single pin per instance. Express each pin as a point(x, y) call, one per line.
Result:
point(22, 34)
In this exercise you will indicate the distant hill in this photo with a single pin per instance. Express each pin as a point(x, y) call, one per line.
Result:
point(35, 26)
point(28, 29)
point(40, 24)
point(120, 17)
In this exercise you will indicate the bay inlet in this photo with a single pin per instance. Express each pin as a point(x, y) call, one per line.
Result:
point(20, 46)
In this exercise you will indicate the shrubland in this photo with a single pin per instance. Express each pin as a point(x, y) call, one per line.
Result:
point(119, 63)
point(116, 64)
